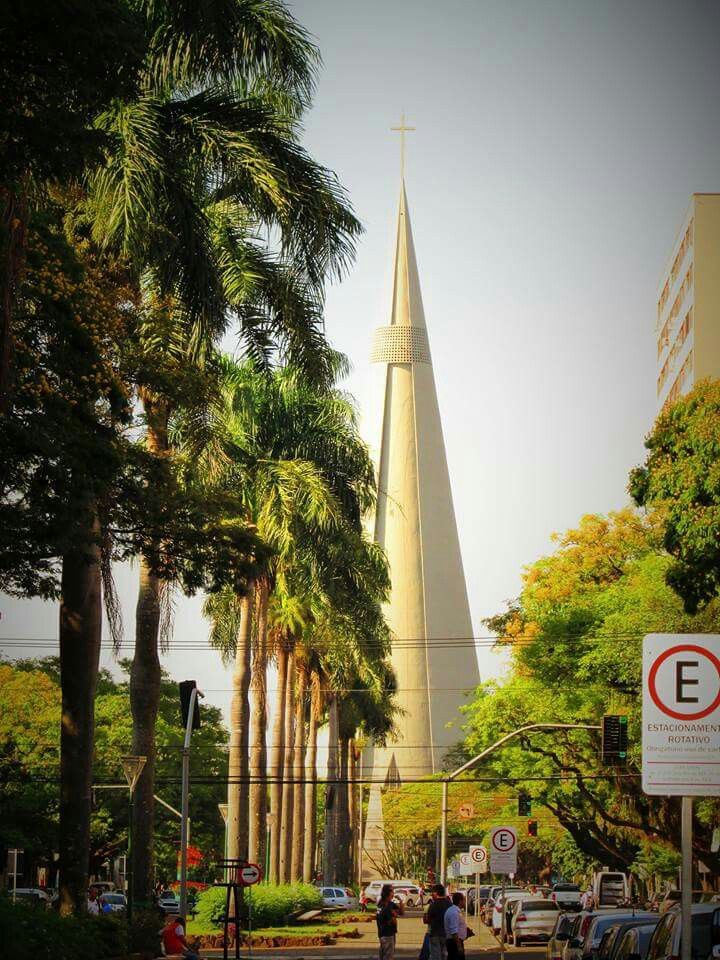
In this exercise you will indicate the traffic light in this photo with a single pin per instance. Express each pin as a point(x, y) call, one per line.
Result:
point(524, 805)
point(532, 828)
point(614, 740)
point(186, 688)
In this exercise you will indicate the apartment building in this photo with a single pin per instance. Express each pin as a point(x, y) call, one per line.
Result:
point(688, 314)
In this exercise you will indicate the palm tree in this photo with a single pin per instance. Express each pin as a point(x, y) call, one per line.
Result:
point(310, 818)
point(258, 729)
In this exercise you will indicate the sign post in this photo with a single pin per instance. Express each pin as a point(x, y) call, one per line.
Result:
point(680, 747)
point(503, 859)
point(479, 857)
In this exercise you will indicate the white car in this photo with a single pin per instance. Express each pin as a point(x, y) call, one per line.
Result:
point(338, 897)
point(115, 900)
point(504, 904)
point(30, 895)
point(566, 896)
point(169, 903)
point(410, 895)
point(371, 893)
point(532, 918)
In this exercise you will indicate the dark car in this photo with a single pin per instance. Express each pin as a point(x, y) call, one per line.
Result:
point(634, 942)
point(472, 896)
point(608, 949)
point(600, 923)
point(665, 941)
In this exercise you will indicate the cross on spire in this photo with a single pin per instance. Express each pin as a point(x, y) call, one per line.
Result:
point(402, 130)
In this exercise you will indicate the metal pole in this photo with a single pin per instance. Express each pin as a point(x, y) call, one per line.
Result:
point(443, 831)
point(128, 863)
point(477, 893)
point(686, 881)
point(185, 803)
point(15, 853)
point(502, 921)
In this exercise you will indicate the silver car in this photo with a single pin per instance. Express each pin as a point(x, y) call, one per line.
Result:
point(532, 918)
point(338, 897)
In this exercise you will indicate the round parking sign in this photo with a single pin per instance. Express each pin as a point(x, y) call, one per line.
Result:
point(684, 682)
point(504, 840)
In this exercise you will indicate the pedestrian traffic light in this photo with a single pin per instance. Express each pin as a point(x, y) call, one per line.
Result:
point(524, 805)
point(614, 740)
point(186, 688)
point(532, 828)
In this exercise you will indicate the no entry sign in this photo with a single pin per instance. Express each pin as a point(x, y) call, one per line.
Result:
point(681, 714)
point(503, 850)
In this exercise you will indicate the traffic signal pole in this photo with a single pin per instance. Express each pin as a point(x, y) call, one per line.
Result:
point(185, 802)
point(447, 780)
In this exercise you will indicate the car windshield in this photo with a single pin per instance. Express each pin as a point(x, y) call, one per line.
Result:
point(114, 898)
point(566, 888)
point(535, 906)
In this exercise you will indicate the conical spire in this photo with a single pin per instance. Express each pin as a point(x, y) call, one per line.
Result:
point(407, 306)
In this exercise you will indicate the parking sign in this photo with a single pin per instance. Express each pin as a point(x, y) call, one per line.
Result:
point(681, 715)
point(503, 850)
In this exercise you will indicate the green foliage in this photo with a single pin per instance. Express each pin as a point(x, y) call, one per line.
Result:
point(656, 859)
point(271, 904)
point(681, 478)
point(34, 933)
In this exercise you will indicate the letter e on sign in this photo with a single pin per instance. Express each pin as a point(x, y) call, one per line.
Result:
point(681, 714)
point(503, 850)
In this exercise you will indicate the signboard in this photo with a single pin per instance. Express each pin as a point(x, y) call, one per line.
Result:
point(503, 850)
point(479, 857)
point(249, 874)
point(455, 868)
point(467, 867)
point(681, 715)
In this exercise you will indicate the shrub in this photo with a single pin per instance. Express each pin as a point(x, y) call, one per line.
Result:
point(39, 934)
point(270, 904)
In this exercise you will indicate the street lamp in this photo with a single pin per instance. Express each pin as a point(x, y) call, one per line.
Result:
point(132, 768)
point(189, 694)
point(481, 756)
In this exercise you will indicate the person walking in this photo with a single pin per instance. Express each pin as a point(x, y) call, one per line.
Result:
point(388, 910)
point(435, 919)
point(587, 900)
point(456, 930)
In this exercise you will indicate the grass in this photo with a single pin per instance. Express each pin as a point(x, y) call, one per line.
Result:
point(198, 929)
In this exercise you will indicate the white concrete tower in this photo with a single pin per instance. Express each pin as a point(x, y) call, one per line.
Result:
point(415, 523)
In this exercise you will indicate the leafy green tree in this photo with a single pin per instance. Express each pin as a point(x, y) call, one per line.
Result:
point(681, 479)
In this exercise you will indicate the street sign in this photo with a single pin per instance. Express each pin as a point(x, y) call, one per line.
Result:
point(467, 867)
point(503, 850)
point(681, 715)
point(249, 874)
point(479, 858)
point(455, 868)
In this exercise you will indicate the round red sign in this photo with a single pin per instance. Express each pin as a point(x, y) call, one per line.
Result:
point(653, 679)
point(503, 840)
point(249, 874)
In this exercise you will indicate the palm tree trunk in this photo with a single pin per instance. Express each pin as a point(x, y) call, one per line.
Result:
point(145, 687)
point(258, 731)
point(144, 703)
point(353, 809)
point(276, 761)
point(286, 827)
point(238, 767)
point(80, 634)
point(311, 778)
point(330, 869)
point(343, 814)
point(297, 834)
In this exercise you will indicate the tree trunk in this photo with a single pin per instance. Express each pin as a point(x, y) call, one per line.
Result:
point(238, 766)
point(13, 217)
point(330, 869)
point(145, 690)
point(276, 761)
point(80, 634)
point(311, 777)
point(297, 833)
point(258, 731)
point(343, 814)
point(354, 812)
point(286, 827)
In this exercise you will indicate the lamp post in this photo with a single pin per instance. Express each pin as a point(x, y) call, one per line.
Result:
point(132, 768)
point(481, 756)
point(223, 808)
point(189, 694)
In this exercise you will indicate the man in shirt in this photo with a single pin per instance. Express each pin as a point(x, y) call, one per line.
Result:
point(386, 918)
point(173, 938)
point(435, 919)
point(456, 930)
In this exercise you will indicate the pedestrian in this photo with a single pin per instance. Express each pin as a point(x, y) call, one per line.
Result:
point(587, 901)
point(93, 907)
point(456, 931)
point(173, 939)
point(435, 919)
point(388, 910)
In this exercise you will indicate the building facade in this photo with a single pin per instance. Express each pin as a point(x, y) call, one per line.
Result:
point(688, 314)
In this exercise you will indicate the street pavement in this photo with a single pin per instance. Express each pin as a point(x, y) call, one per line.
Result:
point(411, 931)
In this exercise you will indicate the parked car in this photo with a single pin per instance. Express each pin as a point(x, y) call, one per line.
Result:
point(580, 925)
point(34, 895)
point(600, 923)
point(490, 902)
point(532, 918)
point(560, 935)
point(610, 888)
point(168, 902)
point(672, 897)
point(615, 932)
point(339, 897)
point(484, 893)
point(503, 905)
point(116, 901)
point(372, 891)
point(566, 896)
point(635, 942)
point(410, 894)
point(665, 940)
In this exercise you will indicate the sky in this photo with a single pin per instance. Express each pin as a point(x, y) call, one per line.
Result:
point(557, 145)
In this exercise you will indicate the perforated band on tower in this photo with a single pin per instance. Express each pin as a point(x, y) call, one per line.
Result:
point(399, 343)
